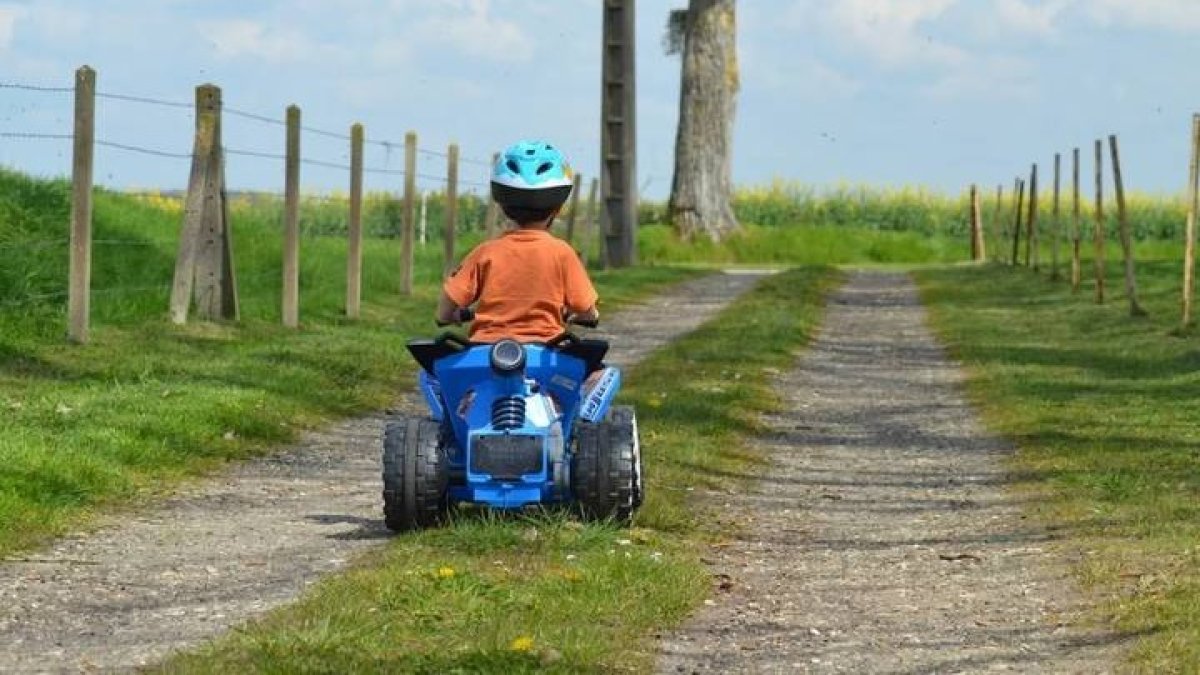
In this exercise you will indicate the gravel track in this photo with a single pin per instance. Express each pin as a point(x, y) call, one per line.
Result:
point(250, 539)
point(883, 537)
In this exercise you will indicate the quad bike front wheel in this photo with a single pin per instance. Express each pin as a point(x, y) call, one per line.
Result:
point(415, 475)
point(606, 470)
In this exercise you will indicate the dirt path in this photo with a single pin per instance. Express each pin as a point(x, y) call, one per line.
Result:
point(883, 539)
point(249, 540)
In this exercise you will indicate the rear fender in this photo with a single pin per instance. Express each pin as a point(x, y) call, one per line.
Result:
point(597, 401)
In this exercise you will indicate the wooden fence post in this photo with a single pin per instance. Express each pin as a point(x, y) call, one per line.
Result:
point(1077, 236)
point(1189, 246)
point(80, 277)
point(491, 218)
point(291, 221)
point(1016, 233)
point(593, 224)
point(451, 209)
point(231, 307)
point(1098, 231)
point(354, 226)
point(1126, 231)
point(997, 228)
point(573, 212)
point(1056, 223)
point(204, 263)
point(978, 252)
point(410, 213)
point(215, 286)
point(1031, 224)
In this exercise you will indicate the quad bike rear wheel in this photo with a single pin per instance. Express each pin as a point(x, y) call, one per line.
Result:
point(606, 470)
point(415, 475)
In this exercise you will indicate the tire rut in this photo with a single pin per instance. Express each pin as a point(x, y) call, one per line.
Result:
point(883, 537)
point(251, 538)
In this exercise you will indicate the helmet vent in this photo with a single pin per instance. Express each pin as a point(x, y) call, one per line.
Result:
point(512, 166)
point(544, 167)
point(530, 151)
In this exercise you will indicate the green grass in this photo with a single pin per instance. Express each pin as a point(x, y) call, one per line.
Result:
point(1104, 410)
point(801, 245)
point(493, 593)
point(146, 403)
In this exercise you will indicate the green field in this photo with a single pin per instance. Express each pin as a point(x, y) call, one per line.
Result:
point(1104, 410)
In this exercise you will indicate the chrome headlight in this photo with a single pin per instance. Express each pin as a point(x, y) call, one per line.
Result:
point(508, 356)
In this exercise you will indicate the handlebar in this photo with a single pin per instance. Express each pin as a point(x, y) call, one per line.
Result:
point(586, 323)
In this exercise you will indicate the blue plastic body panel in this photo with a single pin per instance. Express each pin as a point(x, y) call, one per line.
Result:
point(431, 389)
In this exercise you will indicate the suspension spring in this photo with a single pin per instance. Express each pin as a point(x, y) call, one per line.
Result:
point(508, 412)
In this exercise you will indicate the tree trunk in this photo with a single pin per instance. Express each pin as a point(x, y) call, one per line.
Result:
point(702, 189)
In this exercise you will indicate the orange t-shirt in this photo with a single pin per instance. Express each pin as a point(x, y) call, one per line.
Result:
point(521, 281)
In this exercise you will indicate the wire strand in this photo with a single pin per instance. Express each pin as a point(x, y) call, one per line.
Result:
point(144, 99)
point(144, 151)
point(35, 135)
point(254, 153)
point(34, 87)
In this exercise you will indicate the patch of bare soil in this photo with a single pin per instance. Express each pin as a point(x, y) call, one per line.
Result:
point(246, 541)
point(883, 537)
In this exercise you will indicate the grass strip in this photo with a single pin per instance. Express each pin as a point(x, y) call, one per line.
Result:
point(1104, 410)
point(521, 593)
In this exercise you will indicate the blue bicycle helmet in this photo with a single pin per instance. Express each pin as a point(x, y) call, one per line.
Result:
point(531, 175)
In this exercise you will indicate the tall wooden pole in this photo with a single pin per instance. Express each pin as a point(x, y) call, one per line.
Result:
point(80, 279)
point(1057, 221)
point(451, 209)
point(1189, 246)
point(618, 133)
point(354, 226)
point(410, 213)
point(1098, 231)
point(1126, 232)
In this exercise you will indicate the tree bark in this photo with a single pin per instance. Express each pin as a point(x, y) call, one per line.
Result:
point(702, 189)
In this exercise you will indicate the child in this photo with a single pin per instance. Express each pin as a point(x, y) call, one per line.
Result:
point(526, 281)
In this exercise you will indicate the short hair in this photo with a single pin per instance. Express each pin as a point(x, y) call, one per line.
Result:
point(522, 215)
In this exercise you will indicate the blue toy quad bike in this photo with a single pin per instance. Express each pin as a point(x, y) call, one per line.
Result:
point(510, 426)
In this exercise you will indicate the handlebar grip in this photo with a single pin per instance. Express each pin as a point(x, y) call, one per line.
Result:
point(586, 323)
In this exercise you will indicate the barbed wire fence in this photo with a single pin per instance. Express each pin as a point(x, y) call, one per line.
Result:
point(430, 206)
